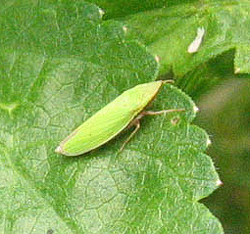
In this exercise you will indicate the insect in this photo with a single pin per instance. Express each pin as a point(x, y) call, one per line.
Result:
point(194, 46)
point(125, 111)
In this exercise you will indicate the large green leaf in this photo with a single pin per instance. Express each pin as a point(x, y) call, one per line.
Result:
point(59, 65)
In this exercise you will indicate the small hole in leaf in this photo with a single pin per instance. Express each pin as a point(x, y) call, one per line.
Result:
point(175, 120)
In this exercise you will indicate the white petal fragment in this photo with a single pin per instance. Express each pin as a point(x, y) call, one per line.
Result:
point(194, 46)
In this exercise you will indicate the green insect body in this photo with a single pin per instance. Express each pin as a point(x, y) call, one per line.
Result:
point(110, 120)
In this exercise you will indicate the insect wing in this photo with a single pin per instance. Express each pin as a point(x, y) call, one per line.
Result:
point(95, 132)
point(110, 120)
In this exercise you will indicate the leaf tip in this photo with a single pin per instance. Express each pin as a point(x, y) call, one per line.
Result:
point(195, 108)
point(157, 58)
point(237, 70)
point(219, 183)
point(208, 142)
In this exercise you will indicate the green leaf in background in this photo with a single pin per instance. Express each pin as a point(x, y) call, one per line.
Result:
point(59, 65)
point(169, 27)
point(169, 31)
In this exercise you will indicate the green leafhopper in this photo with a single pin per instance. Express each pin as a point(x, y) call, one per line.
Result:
point(125, 111)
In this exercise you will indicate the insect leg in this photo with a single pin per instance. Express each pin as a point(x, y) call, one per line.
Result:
point(161, 112)
point(135, 122)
